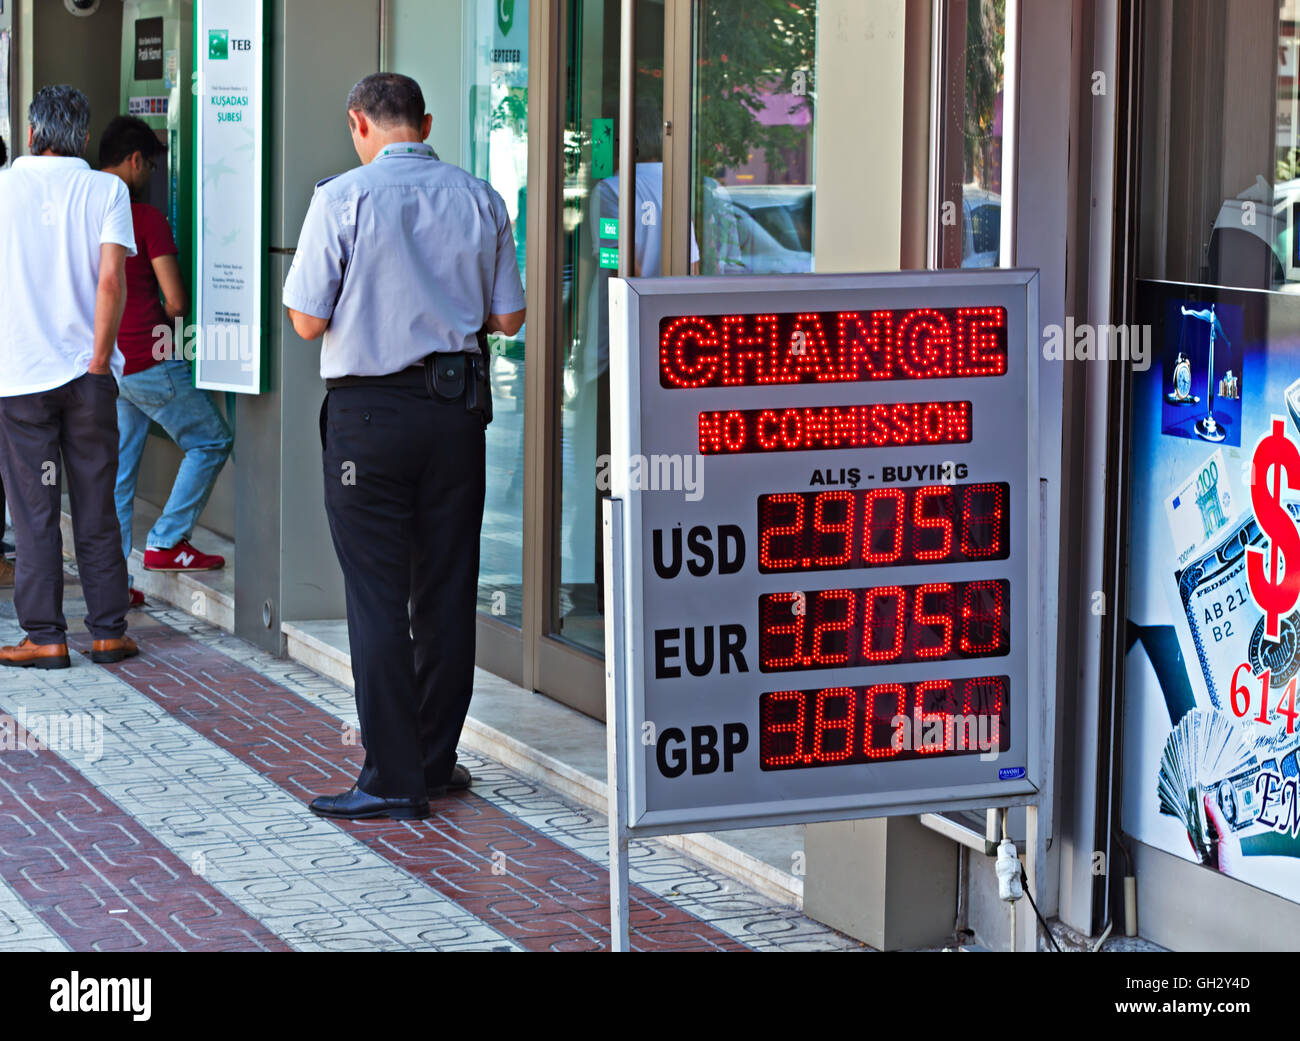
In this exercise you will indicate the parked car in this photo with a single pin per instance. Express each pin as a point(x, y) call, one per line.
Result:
point(981, 228)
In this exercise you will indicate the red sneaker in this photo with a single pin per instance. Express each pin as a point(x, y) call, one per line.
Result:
point(181, 557)
point(137, 599)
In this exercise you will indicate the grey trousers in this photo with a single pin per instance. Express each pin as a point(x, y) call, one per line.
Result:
point(78, 422)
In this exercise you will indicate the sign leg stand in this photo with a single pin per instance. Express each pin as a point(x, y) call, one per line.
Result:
point(618, 916)
point(615, 726)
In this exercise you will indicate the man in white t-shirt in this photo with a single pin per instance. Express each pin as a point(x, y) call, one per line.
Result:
point(65, 234)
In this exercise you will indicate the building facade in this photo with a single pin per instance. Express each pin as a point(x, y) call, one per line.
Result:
point(1140, 154)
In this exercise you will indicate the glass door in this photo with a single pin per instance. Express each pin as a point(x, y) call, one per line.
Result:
point(496, 149)
point(571, 643)
point(746, 72)
point(589, 256)
point(471, 59)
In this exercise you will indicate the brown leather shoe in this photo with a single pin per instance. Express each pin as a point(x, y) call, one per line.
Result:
point(6, 574)
point(28, 655)
point(107, 651)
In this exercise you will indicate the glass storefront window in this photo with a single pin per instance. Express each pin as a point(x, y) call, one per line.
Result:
point(496, 149)
point(589, 252)
point(1211, 731)
point(752, 212)
point(753, 125)
point(470, 58)
point(970, 163)
point(981, 218)
point(1221, 163)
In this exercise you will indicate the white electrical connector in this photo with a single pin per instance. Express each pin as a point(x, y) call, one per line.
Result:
point(1008, 871)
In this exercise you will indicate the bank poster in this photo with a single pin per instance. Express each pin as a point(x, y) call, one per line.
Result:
point(229, 147)
point(1212, 653)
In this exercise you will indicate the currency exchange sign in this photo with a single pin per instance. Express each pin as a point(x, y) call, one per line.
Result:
point(830, 516)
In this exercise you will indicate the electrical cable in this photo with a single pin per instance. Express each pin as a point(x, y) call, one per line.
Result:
point(1024, 881)
point(1110, 924)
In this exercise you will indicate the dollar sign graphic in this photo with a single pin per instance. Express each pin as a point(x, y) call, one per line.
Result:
point(1275, 596)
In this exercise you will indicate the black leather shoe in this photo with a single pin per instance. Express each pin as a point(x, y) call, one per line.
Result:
point(354, 804)
point(460, 781)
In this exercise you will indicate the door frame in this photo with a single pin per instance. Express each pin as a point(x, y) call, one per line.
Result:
point(533, 656)
point(546, 663)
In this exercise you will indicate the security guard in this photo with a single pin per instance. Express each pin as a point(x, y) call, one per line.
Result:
point(404, 264)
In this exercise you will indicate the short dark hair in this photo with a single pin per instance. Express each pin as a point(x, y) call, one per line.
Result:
point(60, 119)
point(4, 152)
point(649, 129)
point(123, 137)
point(388, 99)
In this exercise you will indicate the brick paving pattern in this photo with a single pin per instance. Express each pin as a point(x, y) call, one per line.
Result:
point(189, 830)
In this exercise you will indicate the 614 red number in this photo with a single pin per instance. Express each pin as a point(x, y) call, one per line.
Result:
point(1241, 698)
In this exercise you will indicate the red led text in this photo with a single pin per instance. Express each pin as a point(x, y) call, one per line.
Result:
point(755, 350)
point(851, 426)
point(883, 527)
point(883, 625)
point(883, 722)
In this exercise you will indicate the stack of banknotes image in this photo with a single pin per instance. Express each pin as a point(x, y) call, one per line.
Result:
point(1205, 755)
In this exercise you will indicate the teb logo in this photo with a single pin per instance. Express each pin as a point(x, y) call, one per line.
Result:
point(220, 44)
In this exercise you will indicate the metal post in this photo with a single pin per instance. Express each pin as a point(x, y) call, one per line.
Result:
point(674, 215)
point(1035, 872)
point(627, 140)
point(616, 726)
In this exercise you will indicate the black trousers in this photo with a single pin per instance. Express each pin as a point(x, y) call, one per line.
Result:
point(77, 421)
point(404, 485)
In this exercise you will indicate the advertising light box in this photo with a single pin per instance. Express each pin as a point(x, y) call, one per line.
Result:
point(827, 549)
point(230, 214)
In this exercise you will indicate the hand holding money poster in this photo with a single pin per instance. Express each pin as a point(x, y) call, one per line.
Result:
point(1212, 728)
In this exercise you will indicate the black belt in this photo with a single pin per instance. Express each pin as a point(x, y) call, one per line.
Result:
point(444, 375)
point(409, 377)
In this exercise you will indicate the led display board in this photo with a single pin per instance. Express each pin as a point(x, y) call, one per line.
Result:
point(827, 546)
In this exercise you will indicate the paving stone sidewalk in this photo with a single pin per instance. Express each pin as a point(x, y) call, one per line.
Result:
point(169, 812)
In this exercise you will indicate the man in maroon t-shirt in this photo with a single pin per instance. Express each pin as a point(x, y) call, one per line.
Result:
point(156, 383)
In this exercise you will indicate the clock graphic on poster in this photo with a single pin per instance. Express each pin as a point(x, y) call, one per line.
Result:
point(1181, 394)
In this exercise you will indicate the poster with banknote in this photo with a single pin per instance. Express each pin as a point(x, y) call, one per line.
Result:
point(1212, 656)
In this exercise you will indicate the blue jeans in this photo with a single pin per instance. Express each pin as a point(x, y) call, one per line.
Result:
point(165, 393)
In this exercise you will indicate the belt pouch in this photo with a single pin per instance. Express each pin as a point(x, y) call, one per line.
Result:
point(447, 375)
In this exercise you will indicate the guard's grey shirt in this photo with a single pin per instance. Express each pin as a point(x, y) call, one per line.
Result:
point(405, 256)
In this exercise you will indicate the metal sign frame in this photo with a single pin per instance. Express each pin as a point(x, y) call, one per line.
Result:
point(209, 15)
point(636, 306)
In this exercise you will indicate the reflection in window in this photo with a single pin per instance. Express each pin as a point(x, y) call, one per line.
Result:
point(1220, 156)
point(753, 136)
point(588, 250)
point(981, 224)
point(496, 149)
